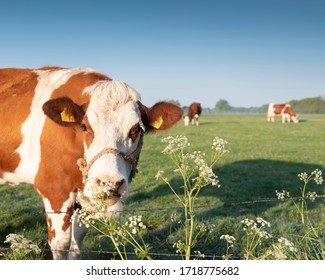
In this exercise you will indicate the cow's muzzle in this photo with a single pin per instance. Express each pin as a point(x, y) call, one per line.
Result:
point(108, 188)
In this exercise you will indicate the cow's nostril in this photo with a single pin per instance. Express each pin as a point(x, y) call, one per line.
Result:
point(120, 183)
point(105, 182)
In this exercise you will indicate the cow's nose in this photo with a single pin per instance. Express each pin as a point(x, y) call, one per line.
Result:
point(109, 182)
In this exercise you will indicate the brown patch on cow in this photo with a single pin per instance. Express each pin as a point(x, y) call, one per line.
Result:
point(50, 230)
point(76, 85)
point(284, 108)
point(51, 68)
point(61, 146)
point(17, 87)
point(134, 132)
point(67, 218)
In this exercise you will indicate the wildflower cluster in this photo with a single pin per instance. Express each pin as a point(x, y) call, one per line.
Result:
point(281, 249)
point(219, 145)
point(198, 255)
point(315, 175)
point(196, 173)
point(208, 228)
point(135, 224)
point(229, 239)
point(282, 195)
point(174, 218)
point(175, 144)
point(230, 244)
point(21, 247)
point(287, 244)
point(179, 246)
point(251, 225)
point(255, 235)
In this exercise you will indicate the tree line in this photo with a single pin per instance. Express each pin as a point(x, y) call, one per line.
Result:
point(314, 105)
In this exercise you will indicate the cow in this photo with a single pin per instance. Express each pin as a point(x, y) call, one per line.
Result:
point(70, 131)
point(193, 114)
point(283, 110)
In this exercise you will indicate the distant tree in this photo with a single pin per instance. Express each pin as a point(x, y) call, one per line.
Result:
point(222, 106)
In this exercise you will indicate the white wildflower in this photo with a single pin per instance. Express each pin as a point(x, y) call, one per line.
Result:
point(282, 195)
point(311, 195)
point(303, 176)
point(219, 145)
point(317, 176)
point(228, 238)
point(18, 243)
point(175, 144)
point(198, 255)
point(288, 244)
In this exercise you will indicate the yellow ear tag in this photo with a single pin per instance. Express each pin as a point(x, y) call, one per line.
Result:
point(65, 117)
point(157, 123)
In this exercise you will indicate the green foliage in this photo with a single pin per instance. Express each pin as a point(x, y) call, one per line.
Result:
point(222, 106)
point(315, 105)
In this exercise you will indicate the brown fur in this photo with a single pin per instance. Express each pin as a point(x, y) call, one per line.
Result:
point(283, 109)
point(16, 92)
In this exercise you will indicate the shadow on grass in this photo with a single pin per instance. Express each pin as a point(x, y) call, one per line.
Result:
point(245, 185)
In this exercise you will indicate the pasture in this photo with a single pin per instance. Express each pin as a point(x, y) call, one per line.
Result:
point(263, 158)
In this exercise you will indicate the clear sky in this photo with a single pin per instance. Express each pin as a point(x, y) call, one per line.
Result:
point(248, 52)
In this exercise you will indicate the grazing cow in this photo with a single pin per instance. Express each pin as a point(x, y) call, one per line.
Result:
point(194, 111)
point(283, 110)
point(53, 117)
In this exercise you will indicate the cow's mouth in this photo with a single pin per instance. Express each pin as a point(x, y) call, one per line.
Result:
point(100, 200)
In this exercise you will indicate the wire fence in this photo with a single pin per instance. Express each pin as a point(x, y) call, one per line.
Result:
point(226, 204)
point(4, 250)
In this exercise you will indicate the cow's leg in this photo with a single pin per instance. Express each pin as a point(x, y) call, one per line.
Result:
point(79, 231)
point(59, 228)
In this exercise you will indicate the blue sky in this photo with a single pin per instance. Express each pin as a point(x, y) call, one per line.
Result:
point(249, 52)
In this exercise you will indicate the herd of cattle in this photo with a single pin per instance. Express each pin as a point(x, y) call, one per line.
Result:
point(70, 131)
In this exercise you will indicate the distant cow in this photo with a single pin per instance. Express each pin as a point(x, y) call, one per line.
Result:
point(194, 112)
point(283, 110)
point(53, 117)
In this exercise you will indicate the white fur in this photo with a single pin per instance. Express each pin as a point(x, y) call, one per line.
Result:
point(271, 113)
point(111, 113)
point(186, 120)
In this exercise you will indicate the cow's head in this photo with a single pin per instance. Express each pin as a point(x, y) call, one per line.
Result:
point(112, 125)
point(295, 118)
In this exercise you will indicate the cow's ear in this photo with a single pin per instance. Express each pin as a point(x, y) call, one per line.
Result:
point(64, 111)
point(161, 116)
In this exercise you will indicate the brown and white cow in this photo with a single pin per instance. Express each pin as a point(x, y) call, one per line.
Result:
point(50, 118)
point(193, 114)
point(283, 110)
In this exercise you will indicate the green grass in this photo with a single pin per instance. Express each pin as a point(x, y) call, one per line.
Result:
point(264, 157)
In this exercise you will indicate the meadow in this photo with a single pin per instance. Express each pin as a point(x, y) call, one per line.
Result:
point(263, 158)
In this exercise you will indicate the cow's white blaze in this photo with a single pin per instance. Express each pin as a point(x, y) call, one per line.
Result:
point(111, 113)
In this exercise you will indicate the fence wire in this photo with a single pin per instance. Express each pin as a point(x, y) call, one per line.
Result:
point(227, 204)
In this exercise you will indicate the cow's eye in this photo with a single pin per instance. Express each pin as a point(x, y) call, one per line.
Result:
point(134, 131)
point(83, 127)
